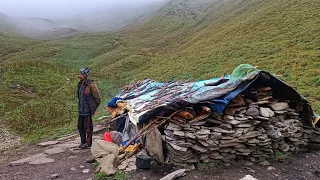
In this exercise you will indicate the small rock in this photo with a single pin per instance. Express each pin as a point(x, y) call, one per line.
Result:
point(252, 111)
point(234, 122)
point(266, 112)
point(219, 130)
point(215, 135)
point(81, 166)
point(271, 168)
point(191, 167)
point(75, 150)
point(265, 163)
point(54, 176)
point(179, 133)
point(248, 164)
point(248, 177)
point(279, 106)
point(72, 157)
point(253, 141)
point(249, 169)
point(199, 148)
point(18, 173)
point(175, 174)
point(279, 112)
point(86, 171)
point(227, 164)
point(178, 148)
point(226, 126)
point(28, 159)
point(227, 117)
point(275, 134)
point(55, 150)
point(130, 168)
point(48, 143)
point(73, 169)
point(242, 119)
point(244, 125)
point(42, 161)
point(252, 159)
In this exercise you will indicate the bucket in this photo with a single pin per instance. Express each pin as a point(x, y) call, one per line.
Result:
point(143, 162)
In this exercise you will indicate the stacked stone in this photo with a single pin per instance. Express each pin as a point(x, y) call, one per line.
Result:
point(253, 128)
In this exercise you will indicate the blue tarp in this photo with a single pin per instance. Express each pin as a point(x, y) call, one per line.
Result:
point(150, 96)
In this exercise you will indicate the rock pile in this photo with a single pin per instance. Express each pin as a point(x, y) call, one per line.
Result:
point(253, 125)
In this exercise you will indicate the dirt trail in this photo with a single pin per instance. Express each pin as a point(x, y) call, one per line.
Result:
point(304, 166)
point(70, 163)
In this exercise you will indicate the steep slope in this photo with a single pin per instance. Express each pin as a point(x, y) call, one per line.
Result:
point(210, 39)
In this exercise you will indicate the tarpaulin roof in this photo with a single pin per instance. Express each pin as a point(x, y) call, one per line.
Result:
point(147, 98)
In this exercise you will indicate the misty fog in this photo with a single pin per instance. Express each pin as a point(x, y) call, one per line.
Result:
point(34, 18)
point(54, 9)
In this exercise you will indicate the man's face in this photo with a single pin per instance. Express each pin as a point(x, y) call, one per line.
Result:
point(81, 76)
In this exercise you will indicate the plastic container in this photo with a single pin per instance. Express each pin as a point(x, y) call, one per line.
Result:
point(107, 137)
point(143, 162)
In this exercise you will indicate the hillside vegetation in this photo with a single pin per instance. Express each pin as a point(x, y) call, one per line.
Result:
point(184, 39)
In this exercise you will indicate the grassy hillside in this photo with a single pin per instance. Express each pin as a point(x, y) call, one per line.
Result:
point(35, 97)
point(278, 36)
point(185, 39)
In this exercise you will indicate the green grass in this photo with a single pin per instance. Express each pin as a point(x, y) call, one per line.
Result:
point(179, 42)
point(206, 166)
point(119, 175)
point(281, 155)
point(40, 69)
point(12, 44)
point(95, 165)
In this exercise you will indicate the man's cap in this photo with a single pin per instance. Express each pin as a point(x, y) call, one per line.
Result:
point(85, 72)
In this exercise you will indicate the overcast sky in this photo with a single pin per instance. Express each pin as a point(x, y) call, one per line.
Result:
point(63, 8)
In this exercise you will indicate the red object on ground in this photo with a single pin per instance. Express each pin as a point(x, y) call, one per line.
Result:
point(107, 137)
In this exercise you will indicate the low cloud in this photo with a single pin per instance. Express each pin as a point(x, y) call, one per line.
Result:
point(66, 8)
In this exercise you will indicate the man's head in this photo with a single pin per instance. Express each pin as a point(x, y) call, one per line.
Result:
point(83, 73)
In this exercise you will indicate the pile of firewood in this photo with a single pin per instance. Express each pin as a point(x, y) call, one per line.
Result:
point(253, 125)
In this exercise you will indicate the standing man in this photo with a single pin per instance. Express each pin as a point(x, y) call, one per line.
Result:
point(88, 101)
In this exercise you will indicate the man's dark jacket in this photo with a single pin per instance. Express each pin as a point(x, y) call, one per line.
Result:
point(89, 97)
